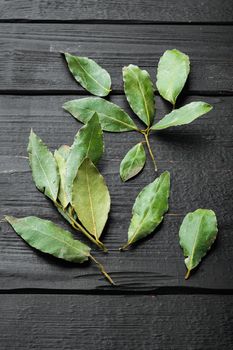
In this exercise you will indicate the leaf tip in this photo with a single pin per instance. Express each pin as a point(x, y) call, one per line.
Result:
point(209, 107)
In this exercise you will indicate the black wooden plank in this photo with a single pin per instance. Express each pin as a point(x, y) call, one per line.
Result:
point(30, 322)
point(31, 61)
point(143, 11)
point(199, 157)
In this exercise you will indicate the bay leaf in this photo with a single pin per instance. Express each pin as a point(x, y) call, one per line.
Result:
point(183, 115)
point(88, 142)
point(139, 92)
point(133, 162)
point(90, 198)
point(44, 167)
point(172, 73)
point(61, 156)
point(198, 232)
point(149, 208)
point(49, 238)
point(89, 74)
point(112, 117)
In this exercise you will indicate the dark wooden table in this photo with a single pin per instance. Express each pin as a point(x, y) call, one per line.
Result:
point(47, 304)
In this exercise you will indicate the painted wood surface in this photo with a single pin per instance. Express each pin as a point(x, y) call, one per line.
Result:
point(153, 307)
point(159, 11)
point(199, 157)
point(90, 322)
point(31, 59)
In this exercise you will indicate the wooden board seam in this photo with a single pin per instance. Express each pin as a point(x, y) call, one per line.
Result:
point(118, 291)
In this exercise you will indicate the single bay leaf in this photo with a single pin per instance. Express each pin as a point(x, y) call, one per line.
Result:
point(90, 198)
point(139, 92)
point(197, 233)
point(133, 162)
point(44, 167)
point(87, 143)
point(61, 156)
point(89, 74)
point(172, 73)
point(112, 117)
point(149, 208)
point(183, 115)
point(49, 238)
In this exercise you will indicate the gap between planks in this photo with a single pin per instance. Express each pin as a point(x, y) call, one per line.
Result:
point(113, 93)
point(109, 21)
point(118, 291)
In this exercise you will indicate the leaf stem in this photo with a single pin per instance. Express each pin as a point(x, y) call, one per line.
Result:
point(124, 247)
point(146, 134)
point(187, 274)
point(102, 270)
point(76, 226)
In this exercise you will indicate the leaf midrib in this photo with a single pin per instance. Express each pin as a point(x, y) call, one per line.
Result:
point(54, 196)
point(143, 220)
point(143, 96)
point(195, 241)
point(107, 116)
point(90, 141)
point(91, 204)
point(133, 160)
point(91, 76)
point(57, 239)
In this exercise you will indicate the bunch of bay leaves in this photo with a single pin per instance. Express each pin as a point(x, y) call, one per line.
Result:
point(69, 178)
point(198, 230)
point(172, 73)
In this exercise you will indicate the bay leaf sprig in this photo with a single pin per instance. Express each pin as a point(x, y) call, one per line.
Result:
point(56, 176)
point(149, 208)
point(49, 238)
point(198, 232)
point(172, 73)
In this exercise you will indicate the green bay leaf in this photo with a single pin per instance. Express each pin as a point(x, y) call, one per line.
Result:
point(90, 198)
point(197, 233)
point(89, 74)
point(183, 115)
point(149, 208)
point(44, 167)
point(87, 143)
point(61, 156)
point(133, 162)
point(112, 117)
point(49, 238)
point(139, 92)
point(172, 73)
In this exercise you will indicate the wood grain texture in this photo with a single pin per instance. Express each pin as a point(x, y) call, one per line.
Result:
point(130, 10)
point(116, 322)
point(31, 61)
point(199, 157)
